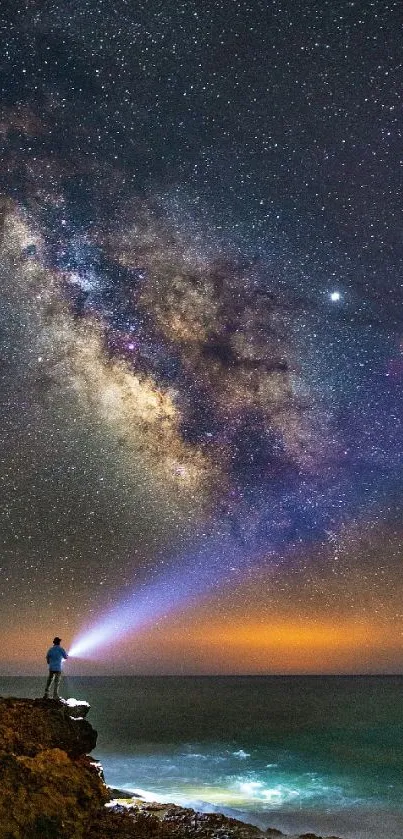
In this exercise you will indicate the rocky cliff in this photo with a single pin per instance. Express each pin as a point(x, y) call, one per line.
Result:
point(48, 786)
point(51, 789)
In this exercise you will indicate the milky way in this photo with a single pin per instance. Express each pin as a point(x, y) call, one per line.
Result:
point(201, 265)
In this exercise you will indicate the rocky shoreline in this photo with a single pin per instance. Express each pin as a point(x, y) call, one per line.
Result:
point(51, 788)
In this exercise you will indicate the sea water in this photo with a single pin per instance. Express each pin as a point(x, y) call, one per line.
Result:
point(323, 754)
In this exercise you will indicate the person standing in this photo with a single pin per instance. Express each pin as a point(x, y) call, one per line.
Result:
point(54, 658)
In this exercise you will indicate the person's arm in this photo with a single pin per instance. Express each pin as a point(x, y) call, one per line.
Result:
point(64, 654)
point(47, 658)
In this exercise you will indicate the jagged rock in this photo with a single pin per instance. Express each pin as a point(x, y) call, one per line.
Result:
point(28, 726)
point(147, 822)
point(167, 821)
point(135, 797)
point(209, 825)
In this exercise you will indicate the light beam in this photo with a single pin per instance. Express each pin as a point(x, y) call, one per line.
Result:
point(178, 587)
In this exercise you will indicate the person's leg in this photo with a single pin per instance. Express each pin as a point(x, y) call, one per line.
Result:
point(56, 683)
point(48, 684)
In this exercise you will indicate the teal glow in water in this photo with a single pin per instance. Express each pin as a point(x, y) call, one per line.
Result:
point(264, 746)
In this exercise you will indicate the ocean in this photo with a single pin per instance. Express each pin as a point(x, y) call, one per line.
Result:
point(321, 754)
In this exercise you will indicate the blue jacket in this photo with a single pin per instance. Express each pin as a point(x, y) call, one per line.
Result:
point(54, 657)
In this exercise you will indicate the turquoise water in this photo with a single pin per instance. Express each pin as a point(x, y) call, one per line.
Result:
point(306, 753)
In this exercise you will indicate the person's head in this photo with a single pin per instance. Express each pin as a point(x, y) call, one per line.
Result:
point(57, 640)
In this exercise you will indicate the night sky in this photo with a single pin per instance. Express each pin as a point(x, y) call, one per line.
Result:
point(201, 334)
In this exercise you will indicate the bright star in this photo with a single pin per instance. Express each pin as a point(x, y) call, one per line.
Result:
point(335, 296)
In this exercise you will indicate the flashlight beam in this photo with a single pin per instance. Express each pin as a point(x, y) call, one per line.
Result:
point(176, 588)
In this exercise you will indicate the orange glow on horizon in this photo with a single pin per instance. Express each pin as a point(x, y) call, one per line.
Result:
point(292, 634)
point(290, 646)
point(195, 644)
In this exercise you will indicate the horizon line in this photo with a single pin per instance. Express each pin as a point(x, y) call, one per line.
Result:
point(176, 675)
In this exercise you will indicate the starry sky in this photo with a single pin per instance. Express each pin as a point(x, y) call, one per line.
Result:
point(201, 334)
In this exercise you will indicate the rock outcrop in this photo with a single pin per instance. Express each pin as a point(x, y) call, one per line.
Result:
point(51, 789)
point(28, 726)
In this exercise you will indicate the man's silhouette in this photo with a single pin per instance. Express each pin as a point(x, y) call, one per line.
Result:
point(54, 658)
